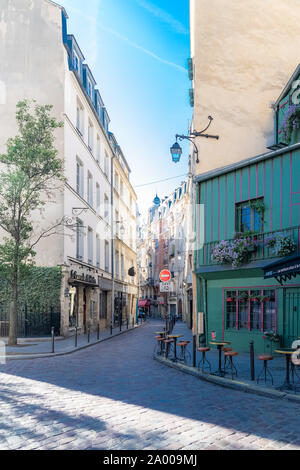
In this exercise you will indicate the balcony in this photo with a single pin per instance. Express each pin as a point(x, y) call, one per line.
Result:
point(261, 252)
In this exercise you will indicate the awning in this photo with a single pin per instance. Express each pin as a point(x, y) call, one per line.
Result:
point(144, 303)
point(283, 270)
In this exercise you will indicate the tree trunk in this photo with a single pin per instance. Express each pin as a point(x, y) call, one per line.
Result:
point(13, 314)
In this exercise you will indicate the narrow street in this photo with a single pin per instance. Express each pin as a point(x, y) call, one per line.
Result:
point(115, 396)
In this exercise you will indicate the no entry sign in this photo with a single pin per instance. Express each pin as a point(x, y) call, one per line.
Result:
point(165, 275)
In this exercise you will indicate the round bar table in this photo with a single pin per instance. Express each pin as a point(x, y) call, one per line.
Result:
point(175, 337)
point(288, 352)
point(220, 345)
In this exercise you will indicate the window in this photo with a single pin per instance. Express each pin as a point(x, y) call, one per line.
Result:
point(90, 246)
point(122, 268)
point(90, 136)
point(269, 310)
point(79, 240)
point(106, 256)
point(106, 165)
point(98, 259)
point(117, 182)
point(79, 118)
point(106, 206)
point(103, 305)
point(89, 88)
point(90, 189)
point(98, 198)
point(247, 216)
point(92, 308)
point(75, 61)
point(122, 189)
point(98, 154)
point(79, 178)
point(253, 310)
point(117, 268)
point(117, 223)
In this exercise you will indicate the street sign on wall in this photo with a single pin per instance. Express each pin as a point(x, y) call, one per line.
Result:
point(165, 275)
point(164, 287)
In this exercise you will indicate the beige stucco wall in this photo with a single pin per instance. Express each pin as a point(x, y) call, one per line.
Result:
point(32, 66)
point(244, 53)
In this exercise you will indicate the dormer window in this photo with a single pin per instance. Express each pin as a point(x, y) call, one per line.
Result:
point(89, 88)
point(75, 62)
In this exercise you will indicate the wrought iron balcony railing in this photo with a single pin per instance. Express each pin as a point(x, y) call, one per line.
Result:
point(261, 251)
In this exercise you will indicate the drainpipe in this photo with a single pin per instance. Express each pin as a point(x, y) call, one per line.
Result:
point(112, 241)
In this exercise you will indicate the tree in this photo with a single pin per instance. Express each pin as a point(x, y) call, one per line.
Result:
point(30, 169)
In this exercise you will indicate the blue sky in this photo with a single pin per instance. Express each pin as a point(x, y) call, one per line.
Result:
point(137, 50)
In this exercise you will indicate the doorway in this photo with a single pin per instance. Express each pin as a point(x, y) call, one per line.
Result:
point(291, 316)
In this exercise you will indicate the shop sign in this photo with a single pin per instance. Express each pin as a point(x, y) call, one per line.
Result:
point(86, 278)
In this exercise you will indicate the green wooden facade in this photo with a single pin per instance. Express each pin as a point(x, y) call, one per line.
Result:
point(239, 305)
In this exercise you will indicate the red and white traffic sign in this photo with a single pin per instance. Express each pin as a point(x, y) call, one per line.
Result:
point(165, 275)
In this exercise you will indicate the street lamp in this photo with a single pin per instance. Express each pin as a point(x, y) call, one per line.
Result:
point(176, 150)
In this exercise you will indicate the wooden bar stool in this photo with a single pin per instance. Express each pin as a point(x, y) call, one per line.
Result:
point(159, 348)
point(226, 349)
point(183, 355)
point(167, 343)
point(265, 370)
point(231, 366)
point(204, 363)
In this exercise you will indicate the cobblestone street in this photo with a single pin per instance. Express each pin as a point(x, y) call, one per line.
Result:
point(115, 396)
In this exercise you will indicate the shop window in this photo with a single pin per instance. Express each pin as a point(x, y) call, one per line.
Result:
point(247, 216)
point(242, 310)
point(92, 309)
point(103, 305)
point(269, 310)
point(253, 310)
point(230, 309)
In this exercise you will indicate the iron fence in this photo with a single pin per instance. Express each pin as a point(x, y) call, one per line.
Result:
point(33, 321)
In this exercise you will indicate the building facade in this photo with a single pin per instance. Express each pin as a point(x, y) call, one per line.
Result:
point(241, 57)
point(89, 151)
point(164, 244)
point(251, 220)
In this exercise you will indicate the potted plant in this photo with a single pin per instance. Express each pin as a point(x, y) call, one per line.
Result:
point(243, 296)
point(290, 123)
point(281, 245)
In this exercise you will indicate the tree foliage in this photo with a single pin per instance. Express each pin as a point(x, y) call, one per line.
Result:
point(30, 169)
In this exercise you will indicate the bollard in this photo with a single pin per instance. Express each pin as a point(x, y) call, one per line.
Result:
point(111, 328)
point(252, 367)
point(120, 325)
point(52, 338)
point(133, 323)
point(89, 334)
point(98, 332)
point(194, 350)
point(76, 336)
point(127, 323)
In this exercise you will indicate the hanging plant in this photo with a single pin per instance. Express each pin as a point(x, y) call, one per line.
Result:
point(281, 245)
point(291, 121)
point(243, 296)
point(258, 206)
point(234, 252)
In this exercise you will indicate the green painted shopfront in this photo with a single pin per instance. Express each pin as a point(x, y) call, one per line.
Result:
point(248, 264)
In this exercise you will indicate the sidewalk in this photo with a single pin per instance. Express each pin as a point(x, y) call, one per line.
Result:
point(38, 349)
point(277, 368)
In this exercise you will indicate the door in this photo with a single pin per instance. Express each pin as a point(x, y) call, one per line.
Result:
point(84, 310)
point(172, 310)
point(292, 316)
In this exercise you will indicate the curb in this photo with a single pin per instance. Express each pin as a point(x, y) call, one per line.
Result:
point(227, 383)
point(65, 353)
